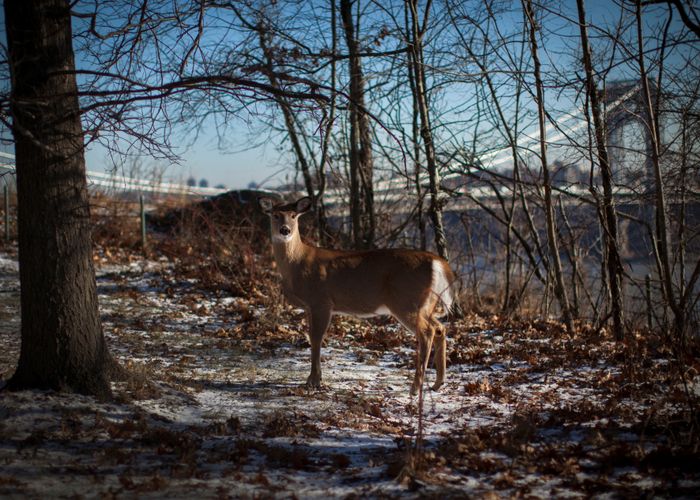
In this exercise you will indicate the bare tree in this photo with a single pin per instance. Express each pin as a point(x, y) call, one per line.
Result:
point(678, 302)
point(508, 127)
point(152, 67)
point(62, 342)
point(689, 17)
point(361, 167)
point(295, 133)
point(417, 29)
point(609, 216)
point(559, 288)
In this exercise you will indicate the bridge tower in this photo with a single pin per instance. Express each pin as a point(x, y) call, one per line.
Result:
point(629, 146)
point(628, 135)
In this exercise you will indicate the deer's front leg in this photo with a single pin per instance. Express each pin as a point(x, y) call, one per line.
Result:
point(319, 319)
point(291, 297)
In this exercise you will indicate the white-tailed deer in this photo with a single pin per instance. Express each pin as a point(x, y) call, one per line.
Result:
point(408, 284)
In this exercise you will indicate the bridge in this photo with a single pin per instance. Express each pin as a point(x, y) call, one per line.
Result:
point(114, 183)
point(624, 111)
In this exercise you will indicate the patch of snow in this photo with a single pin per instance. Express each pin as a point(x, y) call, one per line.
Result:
point(8, 264)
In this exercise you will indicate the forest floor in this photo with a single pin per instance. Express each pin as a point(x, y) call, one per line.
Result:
point(215, 406)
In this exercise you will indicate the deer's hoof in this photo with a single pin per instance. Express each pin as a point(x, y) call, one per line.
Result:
point(313, 382)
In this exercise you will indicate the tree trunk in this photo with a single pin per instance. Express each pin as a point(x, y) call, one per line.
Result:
point(361, 170)
point(609, 215)
point(415, 138)
point(421, 99)
point(661, 246)
point(559, 287)
point(63, 347)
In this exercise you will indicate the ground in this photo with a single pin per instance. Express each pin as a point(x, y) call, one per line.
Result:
point(215, 406)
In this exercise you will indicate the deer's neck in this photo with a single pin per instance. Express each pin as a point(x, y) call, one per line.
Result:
point(289, 253)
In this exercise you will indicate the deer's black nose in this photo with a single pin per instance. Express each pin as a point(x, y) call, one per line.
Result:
point(285, 231)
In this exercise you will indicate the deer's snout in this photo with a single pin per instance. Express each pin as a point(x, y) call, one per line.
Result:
point(285, 231)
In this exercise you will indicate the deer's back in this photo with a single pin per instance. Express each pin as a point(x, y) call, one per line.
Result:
point(366, 283)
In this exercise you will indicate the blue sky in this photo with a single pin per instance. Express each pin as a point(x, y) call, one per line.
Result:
point(243, 161)
point(247, 158)
point(233, 167)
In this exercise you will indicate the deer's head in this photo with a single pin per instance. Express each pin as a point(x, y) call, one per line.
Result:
point(284, 217)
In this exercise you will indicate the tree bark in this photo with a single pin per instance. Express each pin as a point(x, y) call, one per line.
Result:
point(609, 215)
point(361, 168)
point(415, 139)
point(63, 346)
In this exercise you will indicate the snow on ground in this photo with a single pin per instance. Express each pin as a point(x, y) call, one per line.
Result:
point(216, 408)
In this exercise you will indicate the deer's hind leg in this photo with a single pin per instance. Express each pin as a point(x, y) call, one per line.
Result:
point(440, 352)
point(421, 327)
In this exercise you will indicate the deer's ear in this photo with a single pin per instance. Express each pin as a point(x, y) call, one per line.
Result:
point(303, 205)
point(265, 204)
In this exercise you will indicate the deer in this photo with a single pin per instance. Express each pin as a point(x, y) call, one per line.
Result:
point(406, 284)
